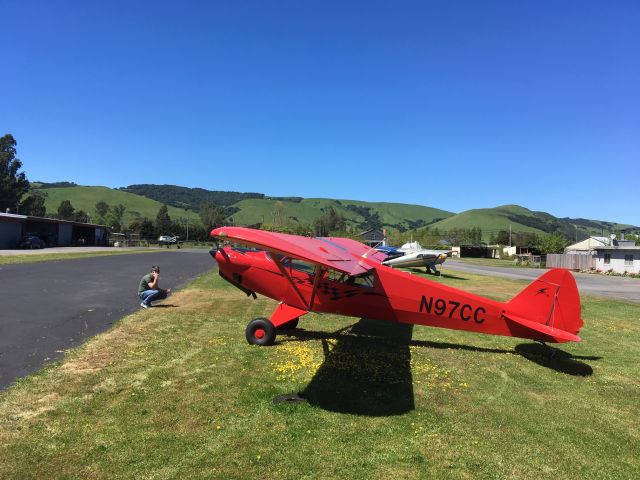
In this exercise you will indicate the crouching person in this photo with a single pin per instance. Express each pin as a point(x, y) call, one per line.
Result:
point(149, 290)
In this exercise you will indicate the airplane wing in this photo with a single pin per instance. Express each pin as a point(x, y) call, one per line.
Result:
point(342, 254)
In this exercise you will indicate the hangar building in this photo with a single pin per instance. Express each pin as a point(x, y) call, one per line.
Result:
point(56, 233)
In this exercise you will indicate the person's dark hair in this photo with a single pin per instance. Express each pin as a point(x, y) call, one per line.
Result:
point(155, 268)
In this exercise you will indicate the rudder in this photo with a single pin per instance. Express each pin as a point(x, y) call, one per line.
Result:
point(552, 301)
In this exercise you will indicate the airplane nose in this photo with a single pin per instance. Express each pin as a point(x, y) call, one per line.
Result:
point(230, 261)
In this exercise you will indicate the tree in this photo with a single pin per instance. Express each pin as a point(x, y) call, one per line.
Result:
point(114, 217)
point(66, 210)
point(34, 205)
point(328, 222)
point(502, 238)
point(163, 221)
point(211, 215)
point(143, 227)
point(13, 184)
point(80, 216)
point(102, 210)
point(553, 243)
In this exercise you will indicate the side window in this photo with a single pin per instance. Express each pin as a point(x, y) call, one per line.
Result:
point(364, 280)
point(335, 275)
point(607, 258)
point(628, 260)
point(299, 265)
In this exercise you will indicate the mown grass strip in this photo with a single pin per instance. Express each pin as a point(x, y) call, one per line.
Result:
point(50, 257)
point(176, 392)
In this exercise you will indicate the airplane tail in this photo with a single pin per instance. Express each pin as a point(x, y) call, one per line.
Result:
point(548, 309)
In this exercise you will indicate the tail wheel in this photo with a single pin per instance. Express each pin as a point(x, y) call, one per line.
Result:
point(290, 325)
point(260, 331)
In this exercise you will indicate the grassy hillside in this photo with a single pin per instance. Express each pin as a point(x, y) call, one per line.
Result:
point(395, 215)
point(293, 210)
point(85, 198)
point(492, 220)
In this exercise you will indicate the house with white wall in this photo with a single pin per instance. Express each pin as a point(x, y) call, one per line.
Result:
point(618, 258)
point(605, 254)
point(588, 245)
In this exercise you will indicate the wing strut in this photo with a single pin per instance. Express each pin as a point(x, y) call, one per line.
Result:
point(288, 277)
point(316, 281)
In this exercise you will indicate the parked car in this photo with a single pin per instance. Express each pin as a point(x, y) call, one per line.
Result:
point(169, 240)
point(31, 242)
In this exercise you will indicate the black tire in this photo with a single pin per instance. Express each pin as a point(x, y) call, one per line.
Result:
point(290, 325)
point(260, 331)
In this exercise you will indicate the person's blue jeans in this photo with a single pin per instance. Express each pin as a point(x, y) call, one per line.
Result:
point(149, 296)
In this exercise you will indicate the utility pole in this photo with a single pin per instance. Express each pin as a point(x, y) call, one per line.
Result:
point(187, 228)
point(509, 234)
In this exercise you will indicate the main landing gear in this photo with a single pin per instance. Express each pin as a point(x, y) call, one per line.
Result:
point(262, 331)
point(433, 270)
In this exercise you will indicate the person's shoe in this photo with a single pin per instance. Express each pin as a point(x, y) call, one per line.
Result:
point(144, 305)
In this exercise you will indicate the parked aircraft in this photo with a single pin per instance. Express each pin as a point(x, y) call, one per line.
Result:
point(413, 255)
point(342, 276)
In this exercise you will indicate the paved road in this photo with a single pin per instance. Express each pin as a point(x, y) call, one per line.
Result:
point(615, 288)
point(51, 306)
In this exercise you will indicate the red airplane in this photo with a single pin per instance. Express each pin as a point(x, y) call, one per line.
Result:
point(345, 277)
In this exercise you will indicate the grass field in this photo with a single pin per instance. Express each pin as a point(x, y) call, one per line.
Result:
point(49, 257)
point(176, 392)
point(492, 262)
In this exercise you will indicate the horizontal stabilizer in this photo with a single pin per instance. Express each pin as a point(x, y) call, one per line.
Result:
point(556, 334)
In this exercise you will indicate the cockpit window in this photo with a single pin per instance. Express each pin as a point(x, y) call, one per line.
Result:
point(366, 280)
point(336, 276)
point(299, 265)
point(363, 280)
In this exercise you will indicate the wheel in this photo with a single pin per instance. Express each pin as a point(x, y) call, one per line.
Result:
point(438, 273)
point(290, 325)
point(260, 331)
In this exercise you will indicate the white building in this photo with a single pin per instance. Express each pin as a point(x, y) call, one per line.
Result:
point(609, 254)
point(588, 245)
point(618, 258)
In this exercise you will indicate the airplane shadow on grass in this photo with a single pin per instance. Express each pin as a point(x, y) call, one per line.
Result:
point(365, 372)
point(367, 366)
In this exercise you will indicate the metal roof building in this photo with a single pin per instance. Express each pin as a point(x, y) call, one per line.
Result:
point(55, 233)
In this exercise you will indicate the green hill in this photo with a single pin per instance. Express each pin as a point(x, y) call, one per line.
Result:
point(256, 208)
point(85, 198)
point(357, 213)
point(520, 219)
point(190, 198)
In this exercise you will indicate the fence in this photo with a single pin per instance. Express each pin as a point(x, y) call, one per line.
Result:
point(571, 261)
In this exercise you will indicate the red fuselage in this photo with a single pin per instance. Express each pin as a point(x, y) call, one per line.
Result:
point(382, 293)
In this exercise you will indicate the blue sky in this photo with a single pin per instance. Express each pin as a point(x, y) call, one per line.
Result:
point(455, 105)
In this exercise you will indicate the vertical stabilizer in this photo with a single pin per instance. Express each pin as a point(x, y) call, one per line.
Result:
point(549, 305)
